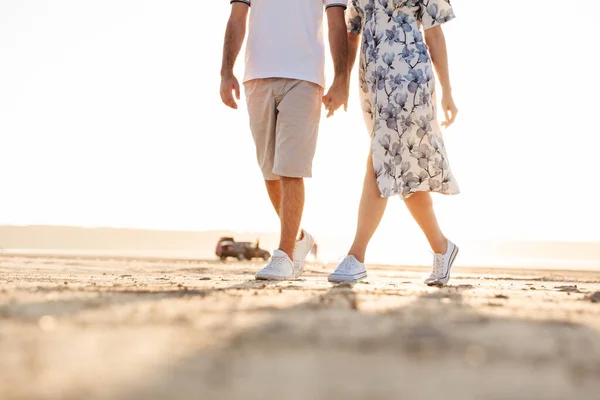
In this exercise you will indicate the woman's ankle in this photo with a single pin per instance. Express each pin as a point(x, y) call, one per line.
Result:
point(358, 254)
point(440, 247)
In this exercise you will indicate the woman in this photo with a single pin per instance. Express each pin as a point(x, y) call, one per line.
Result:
point(407, 156)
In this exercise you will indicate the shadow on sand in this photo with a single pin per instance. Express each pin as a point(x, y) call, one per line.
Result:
point(99, 297)
point(435, 346)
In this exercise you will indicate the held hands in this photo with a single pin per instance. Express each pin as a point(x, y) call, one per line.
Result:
point(336, 96)
point(450, 110)
point(230, 84)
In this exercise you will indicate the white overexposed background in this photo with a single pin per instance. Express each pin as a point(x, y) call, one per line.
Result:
point(110, 116)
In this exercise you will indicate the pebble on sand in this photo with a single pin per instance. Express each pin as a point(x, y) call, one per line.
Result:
point(47, 323)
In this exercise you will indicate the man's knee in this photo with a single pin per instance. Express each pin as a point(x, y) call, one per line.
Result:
point(287, 181)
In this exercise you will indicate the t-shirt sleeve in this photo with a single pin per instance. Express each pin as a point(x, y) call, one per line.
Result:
point(240, 1)
point(354, 18)
point(335, 3)
point(435, 12)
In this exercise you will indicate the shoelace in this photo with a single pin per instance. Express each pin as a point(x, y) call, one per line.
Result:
point(438, 266)
point(345, 266)
point(275, 264)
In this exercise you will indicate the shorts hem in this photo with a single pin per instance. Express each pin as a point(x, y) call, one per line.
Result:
point(271, 177)
point(288, 174)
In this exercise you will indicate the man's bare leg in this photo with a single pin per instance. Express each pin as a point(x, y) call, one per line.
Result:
point(420, 206)
point(370, 213)
point(274, 190)
point(290, 212)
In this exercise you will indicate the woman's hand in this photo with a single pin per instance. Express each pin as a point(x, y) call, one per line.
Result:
point(450, 110)
point(436, 42)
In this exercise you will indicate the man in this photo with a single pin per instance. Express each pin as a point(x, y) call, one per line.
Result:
point(284, 82)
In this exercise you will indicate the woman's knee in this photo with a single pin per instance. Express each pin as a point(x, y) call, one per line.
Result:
point(420, 199)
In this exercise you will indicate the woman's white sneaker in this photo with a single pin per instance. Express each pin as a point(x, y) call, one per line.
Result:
point(280, 268)
point(442, 266)
point(349, 270)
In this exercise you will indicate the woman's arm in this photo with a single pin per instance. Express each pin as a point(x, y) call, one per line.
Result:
point(436, 42)
point(353, 43)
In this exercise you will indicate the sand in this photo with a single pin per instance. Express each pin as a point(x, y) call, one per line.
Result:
point(99, 328)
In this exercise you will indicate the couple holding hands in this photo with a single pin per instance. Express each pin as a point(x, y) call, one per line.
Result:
point(399, 45)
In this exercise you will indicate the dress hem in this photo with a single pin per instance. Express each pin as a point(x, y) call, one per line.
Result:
point(406, 197)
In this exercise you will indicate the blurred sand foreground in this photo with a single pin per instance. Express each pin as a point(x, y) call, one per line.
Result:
point(77, 328)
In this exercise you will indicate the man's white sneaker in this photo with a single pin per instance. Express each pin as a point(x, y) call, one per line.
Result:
point(349, 270)
point(280, 268)
point(301, 250)
point(442, 265)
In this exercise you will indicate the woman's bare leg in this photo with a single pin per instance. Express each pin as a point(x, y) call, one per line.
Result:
point(370, 212)
point(420, 206)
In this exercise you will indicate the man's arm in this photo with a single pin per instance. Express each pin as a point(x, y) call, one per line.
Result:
point(234, 38)
point(338, 44)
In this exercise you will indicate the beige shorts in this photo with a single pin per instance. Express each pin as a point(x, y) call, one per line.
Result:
point(284, 119)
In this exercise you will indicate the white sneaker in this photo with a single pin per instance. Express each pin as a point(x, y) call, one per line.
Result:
point(301, 250)
point(280, 268)
point(442, 265)
point(349, 270)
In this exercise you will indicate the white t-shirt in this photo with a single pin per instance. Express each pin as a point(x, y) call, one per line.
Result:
point(285, 39)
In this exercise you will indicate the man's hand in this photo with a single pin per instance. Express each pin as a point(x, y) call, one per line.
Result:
point(229, 84)
point(450, 110)
point(336, 96)
point(234, 37)
point(338, 44)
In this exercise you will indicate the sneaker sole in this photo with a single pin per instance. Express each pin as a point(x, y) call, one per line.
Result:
point(346, 278)
point(264, 277)
point(273, 278)
point(444, 280)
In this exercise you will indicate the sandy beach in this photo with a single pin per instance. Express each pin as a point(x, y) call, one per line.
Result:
point(101, 328)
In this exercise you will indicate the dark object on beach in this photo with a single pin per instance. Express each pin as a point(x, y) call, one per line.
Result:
point(594, 297)
point(568, 289)
point(501, 296)
point(228, 247)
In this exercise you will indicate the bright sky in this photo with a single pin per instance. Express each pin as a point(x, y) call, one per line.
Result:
point(110, 116)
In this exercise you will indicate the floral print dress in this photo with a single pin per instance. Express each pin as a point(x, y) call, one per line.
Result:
point(397, 94)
